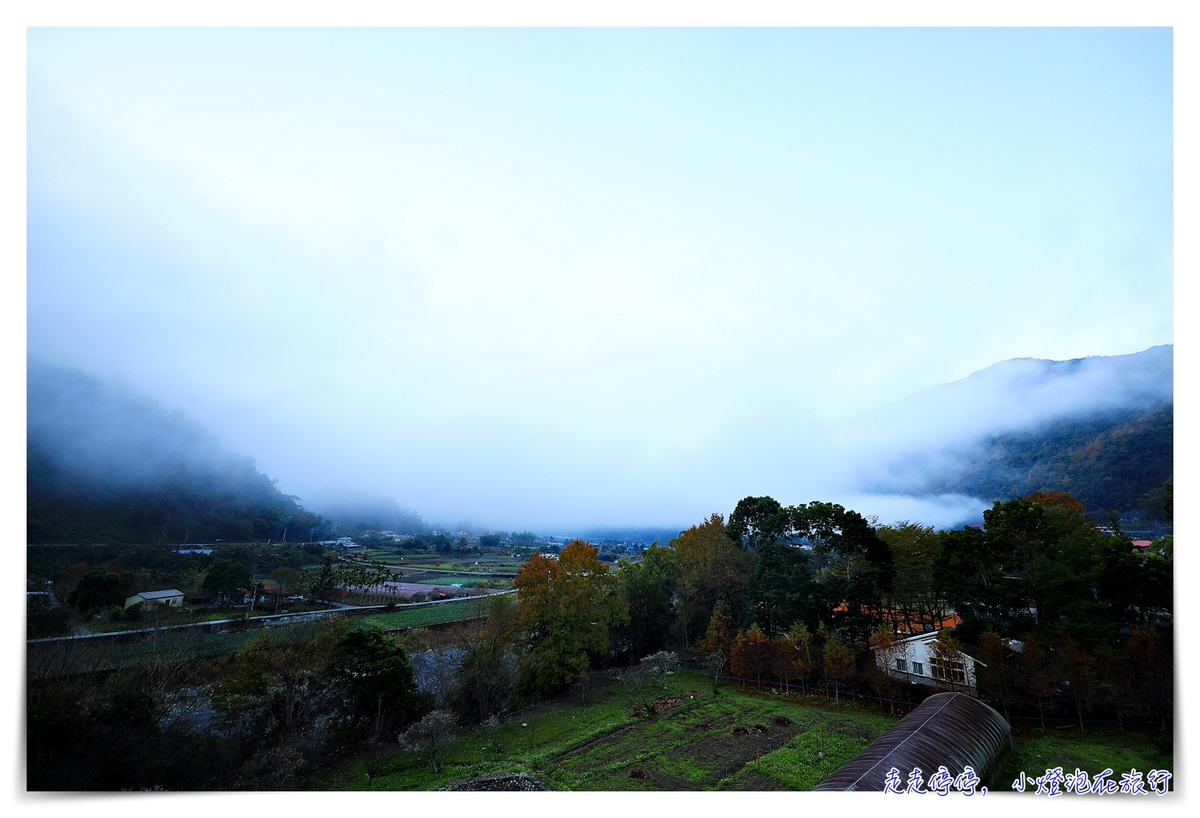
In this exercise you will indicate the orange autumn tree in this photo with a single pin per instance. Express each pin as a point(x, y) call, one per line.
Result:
point(565, 606)
point(751, 655)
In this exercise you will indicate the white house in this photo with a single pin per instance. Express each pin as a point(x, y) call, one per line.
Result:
point(915, 660)
point(170, 597)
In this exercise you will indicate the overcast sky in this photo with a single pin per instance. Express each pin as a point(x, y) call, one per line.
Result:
point(553, 278)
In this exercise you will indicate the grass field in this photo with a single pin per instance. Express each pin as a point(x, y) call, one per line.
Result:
point(1096, 749)
point(428, 614)
point(731, 740)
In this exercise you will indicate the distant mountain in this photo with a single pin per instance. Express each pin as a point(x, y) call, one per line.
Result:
point(105, 464)
point(1100, 428)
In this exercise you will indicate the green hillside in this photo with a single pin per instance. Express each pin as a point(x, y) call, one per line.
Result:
point(105, 464)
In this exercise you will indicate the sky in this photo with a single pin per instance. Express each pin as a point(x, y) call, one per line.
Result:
point(553, 278)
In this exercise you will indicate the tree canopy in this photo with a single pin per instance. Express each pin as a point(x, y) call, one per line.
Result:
point(567, 605)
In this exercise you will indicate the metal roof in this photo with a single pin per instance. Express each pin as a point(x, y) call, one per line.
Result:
point(160, 594)
point(947, 729)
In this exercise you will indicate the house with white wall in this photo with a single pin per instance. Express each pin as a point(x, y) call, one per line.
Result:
point(915, 659)
point(170, 597)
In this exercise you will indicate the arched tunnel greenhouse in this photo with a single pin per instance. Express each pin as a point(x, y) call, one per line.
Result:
point(948, 730)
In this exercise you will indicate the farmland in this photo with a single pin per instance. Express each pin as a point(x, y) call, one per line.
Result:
point(422, 615)
point(727, 740)
point(734, 739)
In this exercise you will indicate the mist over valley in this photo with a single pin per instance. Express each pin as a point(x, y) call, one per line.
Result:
point(365, 367)
point(105, 463)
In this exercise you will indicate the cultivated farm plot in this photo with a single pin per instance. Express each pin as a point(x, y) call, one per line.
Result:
point(466, 582)
point(732, 740)
point(438, 614)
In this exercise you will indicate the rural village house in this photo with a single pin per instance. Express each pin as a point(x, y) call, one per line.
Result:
point(915, 659)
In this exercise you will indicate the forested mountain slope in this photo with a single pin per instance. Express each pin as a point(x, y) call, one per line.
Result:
point(1100, 428)
point(1114, 460)
point(105, 464)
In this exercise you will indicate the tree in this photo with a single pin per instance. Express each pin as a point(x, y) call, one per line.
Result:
point(1116, 683)
point(1076, 669)
point(716, 662)
point(324, 583)
point(632, 679)
point(946, 662)
point(226, 577)
point(720, 635)
point(1035, 677)
point(648, 588)
point(375, 681)
point(888, 649)
point(1057, 498)
point(994, 674)
point(566, 606)
point(759, 521)
point(287, 581)
point(853, 567)
point(1151, 657)
point(487, 673)
point(98, 588)
point(712, 567)
point(783, 660)
point(277, 691)
point(781, 587)
point(1032, 566)
point(914, 604)
point(718, 641)
point(431, 736)
point(661, 666)
point(751, 655)
point(1136, 588)
point(801, 641)
point(838, 663)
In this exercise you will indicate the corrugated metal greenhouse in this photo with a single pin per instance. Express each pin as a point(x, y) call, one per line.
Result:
point(948, 730)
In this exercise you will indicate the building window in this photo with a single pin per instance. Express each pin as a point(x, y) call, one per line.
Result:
point(901, 666)
point(918, 669)
point(947, 670)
